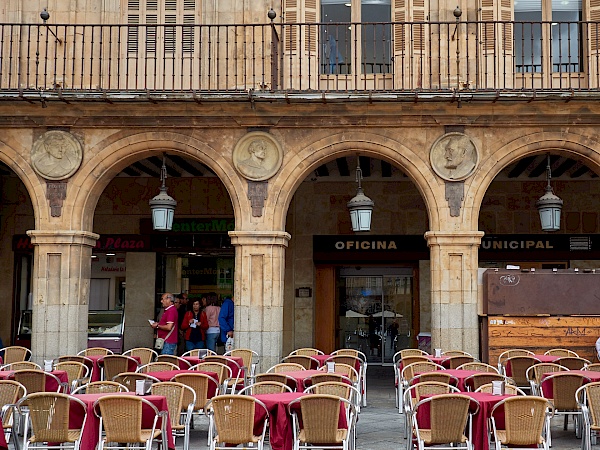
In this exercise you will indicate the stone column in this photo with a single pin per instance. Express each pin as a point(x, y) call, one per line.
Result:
point(454, 322)
point(61, 289)
point(258, 292)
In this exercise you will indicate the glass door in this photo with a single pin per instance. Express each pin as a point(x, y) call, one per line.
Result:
point(375, 312)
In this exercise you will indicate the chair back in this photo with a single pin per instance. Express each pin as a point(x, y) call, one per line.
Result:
point(452, 362)
point(508, 389)
point(158, 366)
point(101, 387)
point(347, 371)
point(410, 371)
point(33, 380)
point(176, 394)
point(95, 351)
point(285, 367)
point(473, 382)
point(339, 389)
point(175, 360)
point(234, 418)
point(448, 417)
point(572, 362)
point(511, 353)
point(249, 357)
point(439, 376)
point(265, 387)
point(146, 355)
point(479, 366)
point(455, 353)
point(223, 371)
point(113, 365)
point(325, 377)
point(561, 352)
point(49, 416)
point(200, 384)
point(425, 388)
point(564, 386)
point(516, 368)
point(412, 352)
point(320, 415)
point(15, 353)
point(524, 419)
point(350, 352)
point(594, 367)
point(76, 371)
point(353, 361)
point(22, 365)
point(308, 362)
point(128, 379)
point(589, 396)
point(122, 417)
point(199, 352)
point(413, 359)
point(306, 351)
point(535, 372)
point(10, 392)
point(277, 377)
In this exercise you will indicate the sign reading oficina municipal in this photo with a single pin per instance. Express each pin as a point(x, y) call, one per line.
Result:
point(379, 244)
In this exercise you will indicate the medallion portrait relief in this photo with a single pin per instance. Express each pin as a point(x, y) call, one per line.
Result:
point(56, 155)
point(257, 156)
point(454, 156)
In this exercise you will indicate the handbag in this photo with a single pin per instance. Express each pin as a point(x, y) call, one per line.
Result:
point(159, 343)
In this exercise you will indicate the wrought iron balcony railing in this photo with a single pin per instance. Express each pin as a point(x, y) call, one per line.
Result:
point(394, 59)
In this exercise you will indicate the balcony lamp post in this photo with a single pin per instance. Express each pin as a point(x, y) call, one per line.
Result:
point(163, 205)
point(549, 206)
point(361, 206)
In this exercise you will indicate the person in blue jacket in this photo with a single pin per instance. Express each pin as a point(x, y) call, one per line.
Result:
point(226, 319)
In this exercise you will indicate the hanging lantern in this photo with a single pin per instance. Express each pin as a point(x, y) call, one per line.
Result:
point(361, 206)
point(549, 206)
point(163, 205)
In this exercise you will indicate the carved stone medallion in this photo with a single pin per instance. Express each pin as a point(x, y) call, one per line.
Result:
point(257, 156)
point(454, 156)
point(56, 155)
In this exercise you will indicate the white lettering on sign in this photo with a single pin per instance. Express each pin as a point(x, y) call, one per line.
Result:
point(366, 245)
point(515, 245)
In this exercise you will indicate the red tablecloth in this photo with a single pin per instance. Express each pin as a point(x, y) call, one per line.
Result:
point(281, 434)
point(89, 440)
point(167, 375)
point(546, 358)
point(547, 385)
point(480, 419)
point(300, 376)
point(50, 382)
point(461, 375)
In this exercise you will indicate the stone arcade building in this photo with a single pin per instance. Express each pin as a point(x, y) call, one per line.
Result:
point(261, 122)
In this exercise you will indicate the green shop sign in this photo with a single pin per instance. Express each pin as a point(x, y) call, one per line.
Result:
point(193, 225)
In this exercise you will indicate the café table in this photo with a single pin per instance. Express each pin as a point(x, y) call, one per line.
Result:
point(546, 358)
point(461, 375)
point(167, 375)
point(300, 376)
point(480, 419)
point(90, 437)
point(50, 382)
point(281, 434)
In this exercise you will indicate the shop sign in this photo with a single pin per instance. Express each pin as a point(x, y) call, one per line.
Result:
point(536, 242)
point(198, 225)
point(123, 243)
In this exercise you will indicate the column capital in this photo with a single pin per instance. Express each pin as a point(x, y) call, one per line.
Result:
point(279, 238)
point(63, 237)
point(462, 238)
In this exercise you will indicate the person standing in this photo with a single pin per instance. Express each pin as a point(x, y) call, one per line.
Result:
point(212, 316)
point(181, 301)
point(194, 325)
point(226, 319)
point(166, 327)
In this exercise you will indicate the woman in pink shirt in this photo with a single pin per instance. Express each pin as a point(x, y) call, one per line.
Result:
point(212, 315)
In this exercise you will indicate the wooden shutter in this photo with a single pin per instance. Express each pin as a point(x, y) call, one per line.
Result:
point(593, 35)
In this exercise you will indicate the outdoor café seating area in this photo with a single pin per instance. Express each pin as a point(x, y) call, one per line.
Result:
point(100, 400)
point(452, 399)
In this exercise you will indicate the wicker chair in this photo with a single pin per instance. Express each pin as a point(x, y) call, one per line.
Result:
point(410, 359)
point(101, 387)
point(326, 377)
point(478, 366)
point(408, 372)
point(356, 359)
point(561, 352)
point(199, 352)
point(473, 382)
point(77, 373)
point(594, 367)
point(89, 363)
point(232, 422)
point(449, 417)
point(128, 379)
point(535, 372)
point(95, 351)
point(112, 365)
point(21, 365)
point(285, 367)
point(48, 415)
point(562, 396)
point(439, 375)
point(453, 362)
point(205, 387)
point(456, 353)
point(146, 355)
point(588, 399)
point(35, 380)
point(509, 354)
point(157, 366)
point(508, 389)
point(176, 360)
point(265, 387)
point(525, 417)
point(10, 392)
point(235, 382)
point(350, 352)
point(516, 368)
point(277, 377)
point(181, 400)
point(251, 361)
point(319, 417)
point(573, 362)
point(306, 351)
point(15, 353)
point(308, 362)
point(223, 372)
point(121, 421)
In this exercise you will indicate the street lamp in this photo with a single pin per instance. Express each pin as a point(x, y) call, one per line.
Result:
point(361, 206)
point(549, 206)
point(163, 205)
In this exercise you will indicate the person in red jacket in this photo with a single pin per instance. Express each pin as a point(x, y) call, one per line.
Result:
point(194, 325)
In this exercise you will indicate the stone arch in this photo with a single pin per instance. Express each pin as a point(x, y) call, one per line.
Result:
point(295, 170)
point(33, 183)
point(115, 155)
point(534, 143)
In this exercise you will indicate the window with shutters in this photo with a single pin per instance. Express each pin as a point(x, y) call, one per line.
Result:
point(547, 36)
point(164, 39)
point(356, 33)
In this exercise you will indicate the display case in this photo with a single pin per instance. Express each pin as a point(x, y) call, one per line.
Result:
point(105, 329)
